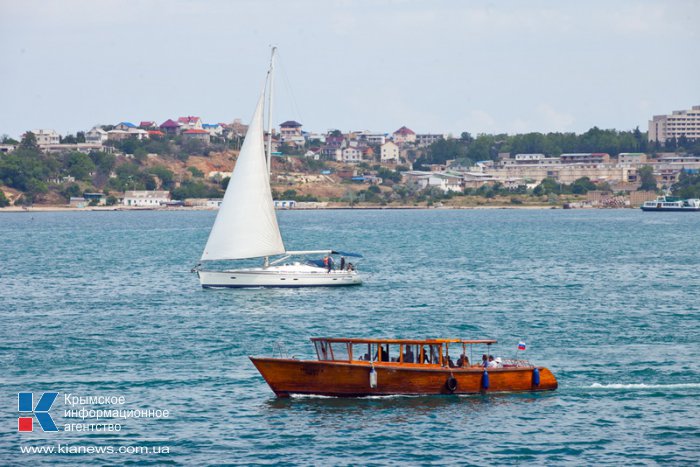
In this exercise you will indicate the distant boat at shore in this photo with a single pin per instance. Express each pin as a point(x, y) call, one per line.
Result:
point(669, 203)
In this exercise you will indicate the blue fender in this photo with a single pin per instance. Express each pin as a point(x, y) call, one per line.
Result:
point(535, 377)
point(485, 380)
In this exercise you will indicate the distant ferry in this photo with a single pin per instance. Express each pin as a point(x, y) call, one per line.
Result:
point(668, 203)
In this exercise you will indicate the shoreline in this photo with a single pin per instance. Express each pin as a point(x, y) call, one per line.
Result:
point(53, 208)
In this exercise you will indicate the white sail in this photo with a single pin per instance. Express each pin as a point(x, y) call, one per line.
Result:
point(246, 225)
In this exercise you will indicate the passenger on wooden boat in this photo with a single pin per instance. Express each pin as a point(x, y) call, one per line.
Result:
point(484, 360)
point(462, 361)
point(408, 356)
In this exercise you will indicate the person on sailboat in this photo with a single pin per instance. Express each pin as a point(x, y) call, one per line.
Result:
point(330, 263)
point(342, 263)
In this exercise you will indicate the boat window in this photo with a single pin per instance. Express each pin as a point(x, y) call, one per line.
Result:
point(411, 353)
point(374, 354)
point(391, 353)
point(339, 351)
point(383, 354)
point(433, 354)
point(322, 350)
point(361, 352)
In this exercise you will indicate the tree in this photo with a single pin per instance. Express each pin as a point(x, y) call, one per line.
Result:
point(7, 140)
point(79, 165)
point(29, 142)
point(166, 176)
point(646, 177)
point(3, 200)
point(195, 172)
point(582, 186)
point(386, 174)
point(688, 186)
point(547, 186)
point(103, 161)
point(72, 190)
point(466, 137)
point(195, 189)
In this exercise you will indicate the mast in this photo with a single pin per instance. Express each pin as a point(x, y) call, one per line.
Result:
point(269, 111)
point(270, 75)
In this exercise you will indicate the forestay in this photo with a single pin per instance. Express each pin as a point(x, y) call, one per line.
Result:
point(246, 225)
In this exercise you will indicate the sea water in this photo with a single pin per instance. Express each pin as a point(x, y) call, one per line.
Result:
point(104, 304)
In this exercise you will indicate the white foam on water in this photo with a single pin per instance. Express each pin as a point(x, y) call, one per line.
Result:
point(318, 396)
point(644, 386)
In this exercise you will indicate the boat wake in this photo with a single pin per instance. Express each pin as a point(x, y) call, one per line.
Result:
point(378, 397)
point(643, 386)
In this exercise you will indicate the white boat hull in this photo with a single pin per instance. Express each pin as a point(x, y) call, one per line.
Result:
point(278, 276)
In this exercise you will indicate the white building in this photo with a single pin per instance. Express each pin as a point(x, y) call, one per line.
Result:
point(190, 123)
point(44, 137)
point(214, 129)
point(332, 154)
point(313, 155)
point(426, 139)
point(679, 123)
point(371, 138)
point(389, 152)
point(631, 158)
point(352, 155)
point(137, 133)
point(117, 135)
point(145, 198)
point(443, 181)
point(529, 157)
point(96, 136)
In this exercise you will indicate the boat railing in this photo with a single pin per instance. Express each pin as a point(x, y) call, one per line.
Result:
point(278, 348)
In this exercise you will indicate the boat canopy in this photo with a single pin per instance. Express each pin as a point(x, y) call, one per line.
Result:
point(353, 340)
point(322, 252)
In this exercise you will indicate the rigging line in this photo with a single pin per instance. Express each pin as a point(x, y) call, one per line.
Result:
point(285, 78)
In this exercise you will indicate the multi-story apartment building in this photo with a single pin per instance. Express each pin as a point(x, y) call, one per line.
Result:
point(585, 158)
point(290, 130)
point(45, 137)
point(679, 123)
point(426, 139)
point(389, 152)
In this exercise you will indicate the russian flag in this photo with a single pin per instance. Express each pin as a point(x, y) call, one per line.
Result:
point(521, 345)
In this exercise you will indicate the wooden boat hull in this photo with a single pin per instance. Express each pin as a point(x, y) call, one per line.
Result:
point(342, 379)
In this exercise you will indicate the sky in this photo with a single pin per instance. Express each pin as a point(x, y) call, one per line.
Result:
point(435, 66)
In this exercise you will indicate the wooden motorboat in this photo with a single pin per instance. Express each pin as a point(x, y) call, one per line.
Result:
point(369, 367)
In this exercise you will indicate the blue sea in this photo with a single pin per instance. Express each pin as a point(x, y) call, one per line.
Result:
point(103, 305)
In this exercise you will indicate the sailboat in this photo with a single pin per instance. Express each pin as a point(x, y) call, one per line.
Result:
point(246, 225)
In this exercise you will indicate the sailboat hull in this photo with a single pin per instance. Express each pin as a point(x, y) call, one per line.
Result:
point(277, 277)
